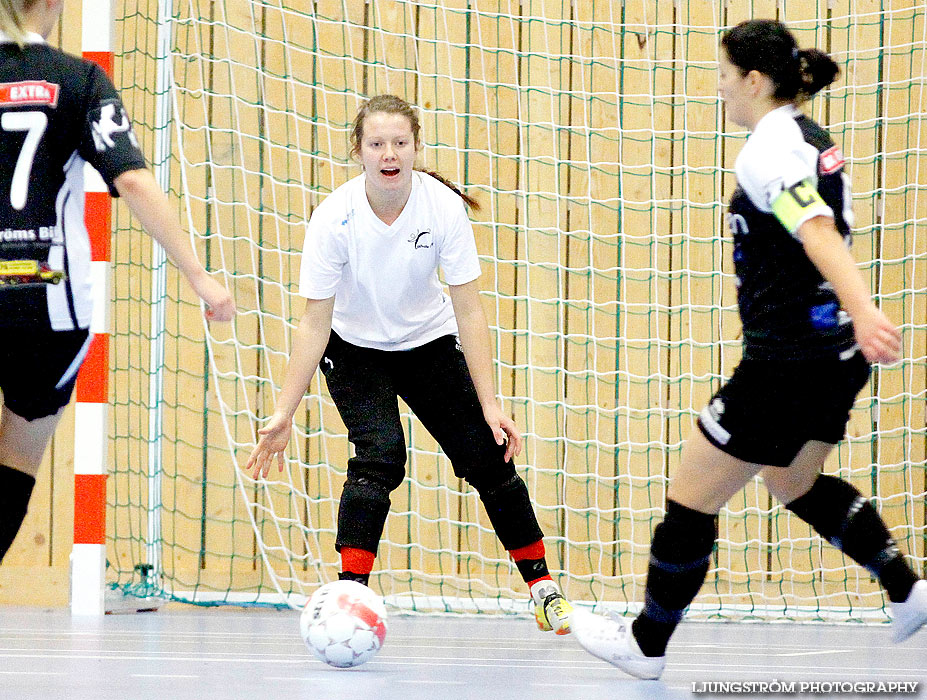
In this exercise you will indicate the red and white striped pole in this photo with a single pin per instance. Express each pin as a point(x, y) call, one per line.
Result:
point(91, 428)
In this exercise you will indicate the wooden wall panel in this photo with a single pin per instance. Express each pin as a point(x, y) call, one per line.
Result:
point(606, 287)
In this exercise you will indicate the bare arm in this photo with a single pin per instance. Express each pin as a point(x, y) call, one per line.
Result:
point(309, 341)
point(144, 197)
point(877, 336)
point(477, 350)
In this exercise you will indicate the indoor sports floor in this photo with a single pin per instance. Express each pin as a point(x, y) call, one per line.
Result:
point(225, 654)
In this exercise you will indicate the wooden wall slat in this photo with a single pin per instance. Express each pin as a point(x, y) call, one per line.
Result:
point(618, 266)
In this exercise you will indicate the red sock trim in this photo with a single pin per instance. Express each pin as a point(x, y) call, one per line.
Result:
point(357, 561)
point(543, 578)
point(531, 551)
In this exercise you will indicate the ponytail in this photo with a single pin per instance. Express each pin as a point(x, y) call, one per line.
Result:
point(817, 70)
point(468, 200)
point(11, 20)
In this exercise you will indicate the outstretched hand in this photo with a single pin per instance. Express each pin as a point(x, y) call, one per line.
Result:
point(272, 444)
point(877, 336)
point(504, 430)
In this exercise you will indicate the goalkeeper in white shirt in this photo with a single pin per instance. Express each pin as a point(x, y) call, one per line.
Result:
point(380, 326)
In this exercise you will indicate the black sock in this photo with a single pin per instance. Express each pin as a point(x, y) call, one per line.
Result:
point(848, 521)
point(351, 576)
point(532, 569)
point(15, 492)
point(680, 555)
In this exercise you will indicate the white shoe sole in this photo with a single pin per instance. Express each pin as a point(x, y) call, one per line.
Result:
point(611, 641)
point(911, 615)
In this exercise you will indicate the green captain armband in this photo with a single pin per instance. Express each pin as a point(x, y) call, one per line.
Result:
point(793, 205)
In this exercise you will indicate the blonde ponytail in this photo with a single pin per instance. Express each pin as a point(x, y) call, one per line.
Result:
point(11, 20)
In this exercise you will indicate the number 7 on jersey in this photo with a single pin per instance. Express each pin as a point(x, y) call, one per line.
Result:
point(33, 123)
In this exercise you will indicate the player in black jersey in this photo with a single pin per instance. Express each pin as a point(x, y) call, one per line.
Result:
point(56, 113)
point(810, 331)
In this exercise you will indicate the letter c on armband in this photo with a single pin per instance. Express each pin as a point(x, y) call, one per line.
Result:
point(796, 204)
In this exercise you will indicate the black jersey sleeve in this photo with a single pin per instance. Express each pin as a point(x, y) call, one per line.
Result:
point(108, 141)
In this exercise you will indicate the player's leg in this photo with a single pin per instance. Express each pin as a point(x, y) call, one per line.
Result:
point(359, 384)
point(435, 382)
point(736, 435)
point(682, 544)
point(22, 445)
point(835, 508)
point(39, 373)
point(846, 519)
point(680, 555)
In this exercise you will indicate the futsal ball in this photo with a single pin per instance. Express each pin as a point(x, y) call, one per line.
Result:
point(344, 624)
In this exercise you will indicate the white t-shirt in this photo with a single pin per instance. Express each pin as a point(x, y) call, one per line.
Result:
point(775, 157)
point(385, 278)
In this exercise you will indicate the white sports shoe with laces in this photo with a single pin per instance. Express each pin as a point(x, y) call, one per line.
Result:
point(908, 617)
point(610, 639)
point(551, 610)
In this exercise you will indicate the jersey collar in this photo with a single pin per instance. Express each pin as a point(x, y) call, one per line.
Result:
point(31, 38)
point(789, 110)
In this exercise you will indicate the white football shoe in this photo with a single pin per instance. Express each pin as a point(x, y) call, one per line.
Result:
point(610, 639)
point(908, 617)
point(551, 610)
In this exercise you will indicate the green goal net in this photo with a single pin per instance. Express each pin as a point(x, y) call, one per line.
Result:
point(593, 137)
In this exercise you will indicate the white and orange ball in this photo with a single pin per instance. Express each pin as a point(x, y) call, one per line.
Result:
point(344, 624)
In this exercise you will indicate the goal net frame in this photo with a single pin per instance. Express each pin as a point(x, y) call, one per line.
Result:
point(593, 137)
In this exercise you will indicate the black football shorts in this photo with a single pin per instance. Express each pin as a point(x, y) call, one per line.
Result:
point(769, 409)
point(38, 369)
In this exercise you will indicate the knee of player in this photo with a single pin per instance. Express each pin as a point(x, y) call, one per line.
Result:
point(377, 474)
point(492, 482)
point(684, 531)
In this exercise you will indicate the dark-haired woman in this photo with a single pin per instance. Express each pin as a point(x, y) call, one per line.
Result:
point(810, 331)
point(380, 324)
